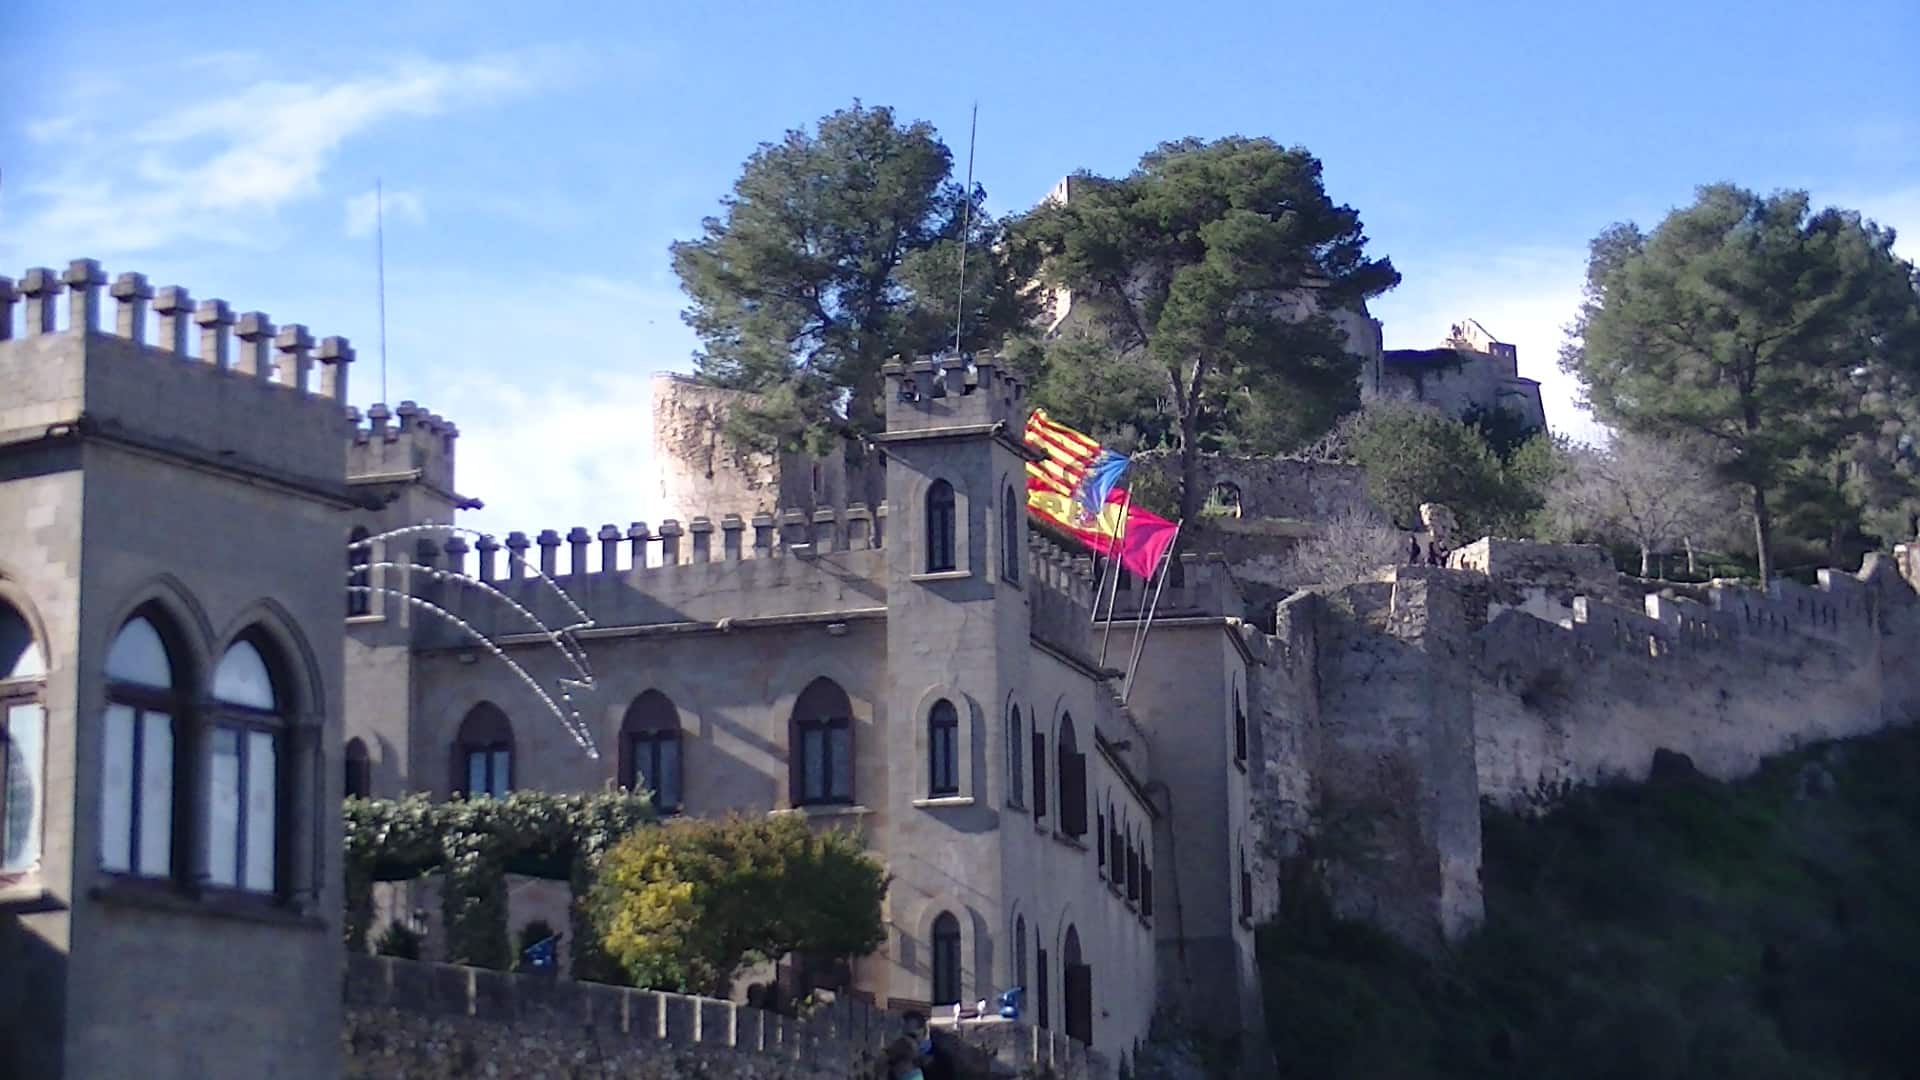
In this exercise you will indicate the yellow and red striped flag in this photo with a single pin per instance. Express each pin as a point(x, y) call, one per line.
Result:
point(1054, 484)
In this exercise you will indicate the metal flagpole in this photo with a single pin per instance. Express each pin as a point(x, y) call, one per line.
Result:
point(1113, 569)
point(1140, 642)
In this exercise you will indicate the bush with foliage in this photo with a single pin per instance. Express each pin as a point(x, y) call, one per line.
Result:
point(476, 843)
point(400, 940)
point(1414, 454)
point(687, 905)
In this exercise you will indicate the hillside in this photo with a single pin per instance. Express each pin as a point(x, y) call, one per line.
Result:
point(1685, 928)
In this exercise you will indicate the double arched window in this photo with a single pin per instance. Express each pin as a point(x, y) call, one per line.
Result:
point(650, 750)
point(245, 772)
point(941, 528)
point(943, 749)
point(821, 754)
point(23, 729)
point(144, 703)
point(946, 959)
point(483, 754)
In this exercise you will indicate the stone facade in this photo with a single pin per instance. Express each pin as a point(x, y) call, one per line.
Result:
point(1097, 819)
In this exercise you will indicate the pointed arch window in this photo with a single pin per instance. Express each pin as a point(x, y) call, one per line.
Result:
point(941, 527)
point(359, 770)
point(1020, 951)
point(1239, 728)
point(1072, 767)
point(821, 757)
point(359, 577)
point(946, 959)
point(943, 749)
point(245, 770)
point(1077, 975)
point(1012, 509)
point(23, 727)
point(651, 750)
point(144, 704)
point(483, 754)
point(1016, 750)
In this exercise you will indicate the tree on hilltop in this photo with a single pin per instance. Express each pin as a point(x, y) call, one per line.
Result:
point(1220, 263)
point(837, 250)
point(1739, 320)
point(1652, 493)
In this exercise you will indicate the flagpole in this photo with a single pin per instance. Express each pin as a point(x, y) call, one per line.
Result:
point(1114, 569)
point(1140, 642)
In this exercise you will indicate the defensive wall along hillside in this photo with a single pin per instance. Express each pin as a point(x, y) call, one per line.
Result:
point(1522, 670)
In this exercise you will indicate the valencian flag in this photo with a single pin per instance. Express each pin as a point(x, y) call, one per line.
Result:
point(1077, 489)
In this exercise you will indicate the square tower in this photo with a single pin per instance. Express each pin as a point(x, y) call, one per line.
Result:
point(957, 644)
point(170, 571)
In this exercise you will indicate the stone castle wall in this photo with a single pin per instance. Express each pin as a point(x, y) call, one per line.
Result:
point(413, 1020)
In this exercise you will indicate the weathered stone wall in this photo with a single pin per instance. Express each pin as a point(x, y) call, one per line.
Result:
point(1277, 487)
point(422, 1021)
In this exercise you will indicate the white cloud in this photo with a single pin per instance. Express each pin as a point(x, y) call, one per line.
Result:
point(364, 209)
point(141, 181)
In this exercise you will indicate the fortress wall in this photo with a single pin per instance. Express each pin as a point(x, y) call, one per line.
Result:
point(1277, 487)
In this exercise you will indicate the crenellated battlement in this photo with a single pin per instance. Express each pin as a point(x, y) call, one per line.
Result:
point(403, 443)
point(191, 379)
point(246, 345)
point(952, 391)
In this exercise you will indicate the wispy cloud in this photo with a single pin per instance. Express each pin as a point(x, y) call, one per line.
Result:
point(365, 209)
point(138, 182)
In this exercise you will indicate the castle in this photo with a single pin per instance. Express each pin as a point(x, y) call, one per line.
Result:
point(217, 617)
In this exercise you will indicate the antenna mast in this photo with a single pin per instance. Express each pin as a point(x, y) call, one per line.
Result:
point(966, 227)
point(380, 260)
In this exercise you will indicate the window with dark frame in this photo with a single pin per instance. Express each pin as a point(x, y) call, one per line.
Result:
point(1020, 951)
point(246, 764)
point(1011, 511)
point(359, 770)
point(943, 749)
point(484, 754)
point(946, 959)
point(652, 754)
point(941, 525)
point(1016, 747)
point(359, 577)
point(140, 769)
point(1039, 773)
point(822, 745)
point(1239, 728)
point(1040, 1003)
point(22, 742)
point(1073, 780)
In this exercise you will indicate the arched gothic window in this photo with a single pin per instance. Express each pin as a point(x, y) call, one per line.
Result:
point(144, 700)
point(1077, 977)
point(946, 959)
point(650, 749)
point(1072, 768)
point(23, 730)
point(483, 754)
point(941, 526)
point(943, 749)
point(1012, 509)
point(359, 769)
point(1239, 728)
point(822, 745)
point(246, 764)
point(359, 556)
point(1020, 950)
point(1016, 749)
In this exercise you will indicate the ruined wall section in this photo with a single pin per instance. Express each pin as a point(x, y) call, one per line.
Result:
point(698, 467)
point(1389, 747)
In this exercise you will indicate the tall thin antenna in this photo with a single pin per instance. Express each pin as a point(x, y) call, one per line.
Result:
point(380, 258)
point(966, 228)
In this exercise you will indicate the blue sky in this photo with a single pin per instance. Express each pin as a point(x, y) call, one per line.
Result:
point(538, 159)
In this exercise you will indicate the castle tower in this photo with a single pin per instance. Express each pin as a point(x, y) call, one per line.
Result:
point(171, 515)
point(957, 647)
